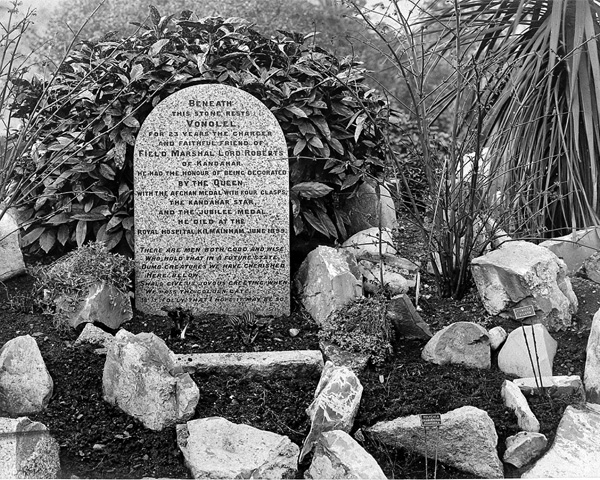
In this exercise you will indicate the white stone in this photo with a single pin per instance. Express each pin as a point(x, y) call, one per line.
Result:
point(94, 336)
point(217, 448)
point(575, 248)
point(393, 281)
point(365, 209)
point(27, 450)
point(466, 439)
point(524, 447)
point(338, 455)
point(516, 401)
point(289, 363)
point(591, 267)
point(328, 280)
point(575, 452)
point(25, 383)
point(142, 379)
point(556, 386)
point(371, 242)
point(591, 376)
point(11, 257)
point(336, 402)
point(462, 343)
point(523, 274)
point(514, 357)
point(497, 336)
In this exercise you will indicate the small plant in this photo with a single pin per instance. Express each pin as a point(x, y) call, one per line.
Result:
point(247, 326)
point(65, 282)
point(361, 327)
point(181, 319)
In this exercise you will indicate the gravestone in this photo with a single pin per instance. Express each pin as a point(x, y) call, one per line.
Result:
point(212, 205)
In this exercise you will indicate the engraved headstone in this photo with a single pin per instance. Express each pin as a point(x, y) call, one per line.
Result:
point(211, 182)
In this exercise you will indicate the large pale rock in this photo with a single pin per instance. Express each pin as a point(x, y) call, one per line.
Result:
point(591, 267)
point(467, 440)
point(575, 452)
point(462, 343)
point(27, 450)
point(93, 335)
point(575, 248)
point(328, 280)
point(517, 354)
point(142, 378)
point(516, 401)
point(406, 320)
point(524, 447)
point(497, 337)
point(25, 384)
point(365, 209)
point(523, 274)
point(338, 455)
point(372, 272)
point(336, 402)
point(591, 376)
point(104, 303)
point(11, 258)
point(217, 448)
point(558, 386)
point(370, 243)
point(289, 363)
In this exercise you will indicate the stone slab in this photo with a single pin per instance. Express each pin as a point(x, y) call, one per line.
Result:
point(255, 364)
point(211, 182)
point(557, 386)
point(575, 248)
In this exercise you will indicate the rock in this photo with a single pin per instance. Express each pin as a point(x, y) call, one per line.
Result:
point(591, 267)
point(516, 401)
point(497, 337)
point(104, 303)
point(523, 274)
point(93, 335)
point(524, 447)
point(289, 363)
point(364, 209)
point(343, 358)
point(467, 440)
point(406, 320)
point(393, 281)
point(11, 257)
point(338, 455)
point(514, 357)
point(336, 402)
point(25, 384)
point(591, 376)
point(328, 280)
point(217, 448)
point(573, 249)
point(559, 386)
point(27, 450)
point(462, 343)
point(575, 452)
point(140, 377)
point(367, 243)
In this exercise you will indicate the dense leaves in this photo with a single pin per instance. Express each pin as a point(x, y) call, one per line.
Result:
point(104, 90)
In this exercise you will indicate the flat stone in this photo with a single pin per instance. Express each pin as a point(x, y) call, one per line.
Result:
point(557, 386)
point(25, 383)
point(406, 320)
point(93, 335)
point(217, 448)
point(523, 274)
point(516, 401)
point(27, 450)
point(514, 357)
point(466, 439)
point(104, 304)
point(371, 242)
point(211, 182)
point(461, 343)
point(335, 406)
point(497, 337)
point(575, 452)
point(365, 210)
point(11, 257)
point(574, 249)
point(591, 376)
point(523, 448)
point(328, 280)
point(289, 363)
point(338, 455)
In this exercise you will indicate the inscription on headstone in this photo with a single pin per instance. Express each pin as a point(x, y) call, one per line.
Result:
point(212, 205)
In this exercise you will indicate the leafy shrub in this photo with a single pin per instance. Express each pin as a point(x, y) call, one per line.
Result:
point(361, 327)
point(65, 282)
point(104, 90)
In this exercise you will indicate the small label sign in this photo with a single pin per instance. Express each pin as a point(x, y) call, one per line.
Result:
point(524, 312)
point(429, 420)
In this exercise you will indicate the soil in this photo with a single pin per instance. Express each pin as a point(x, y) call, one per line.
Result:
point(99, 441)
